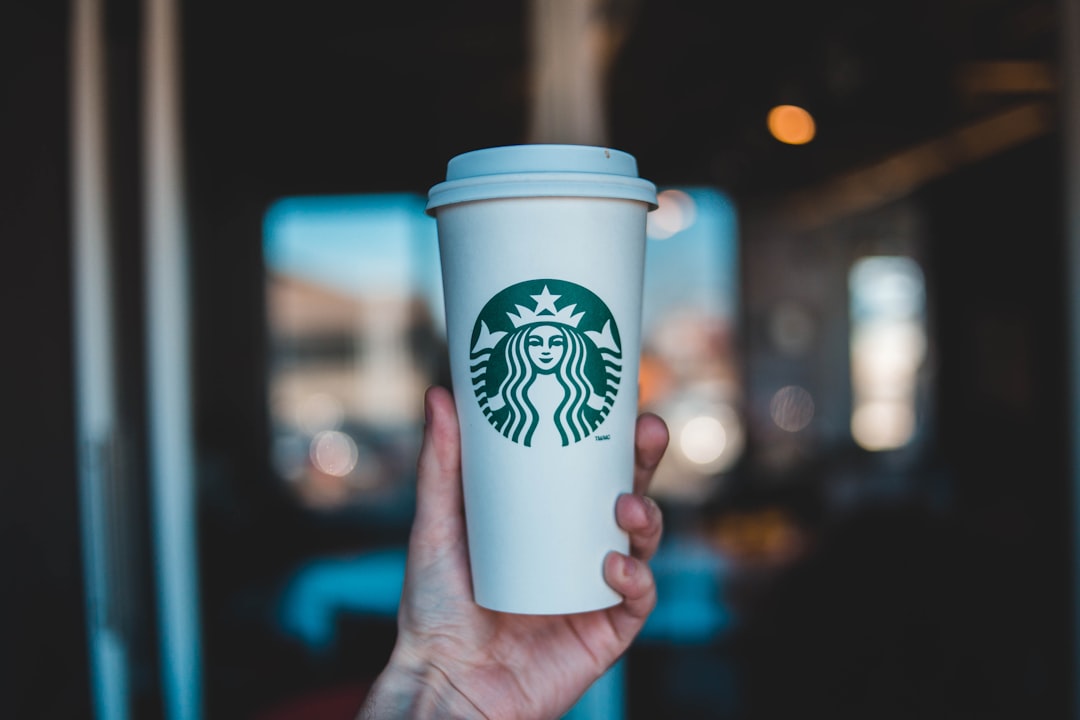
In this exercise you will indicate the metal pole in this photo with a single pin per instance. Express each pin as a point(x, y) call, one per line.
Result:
point(94, 360)
point(168, 299)
point(566, 68)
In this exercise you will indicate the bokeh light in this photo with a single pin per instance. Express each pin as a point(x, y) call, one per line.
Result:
point(675, 212)
point(883, 424)
point(334, 453)
point(792, 125)
point(703, 440)
point(707, 439)
point(792, 408)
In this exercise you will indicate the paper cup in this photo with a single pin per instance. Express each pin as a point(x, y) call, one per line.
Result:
point(542, 250)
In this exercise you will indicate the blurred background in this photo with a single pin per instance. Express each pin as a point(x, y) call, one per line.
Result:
point(221, 307)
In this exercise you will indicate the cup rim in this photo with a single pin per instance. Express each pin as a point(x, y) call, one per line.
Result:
point(541, 170)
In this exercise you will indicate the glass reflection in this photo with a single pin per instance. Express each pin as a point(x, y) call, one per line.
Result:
point(689, 371)
point(888, 346)
point(356, 332)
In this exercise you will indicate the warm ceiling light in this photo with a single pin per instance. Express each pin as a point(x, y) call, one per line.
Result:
point(791, 124)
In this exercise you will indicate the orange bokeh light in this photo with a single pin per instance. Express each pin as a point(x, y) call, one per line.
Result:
point(791, 124)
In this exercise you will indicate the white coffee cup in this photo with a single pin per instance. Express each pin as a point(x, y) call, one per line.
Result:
point(542, 250)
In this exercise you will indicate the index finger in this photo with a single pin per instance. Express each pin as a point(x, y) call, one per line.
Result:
point(650, 442)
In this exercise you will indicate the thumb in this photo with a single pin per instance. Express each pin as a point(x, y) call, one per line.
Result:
point(439, 503)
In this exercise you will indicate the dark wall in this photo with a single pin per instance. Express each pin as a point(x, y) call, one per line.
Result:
point(998, 260)
point(959, 607)
point(43, 668)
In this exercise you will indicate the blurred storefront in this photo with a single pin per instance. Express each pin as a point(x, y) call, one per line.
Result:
point(856, 329)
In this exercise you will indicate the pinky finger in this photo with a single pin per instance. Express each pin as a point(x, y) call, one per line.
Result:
point(631, 578)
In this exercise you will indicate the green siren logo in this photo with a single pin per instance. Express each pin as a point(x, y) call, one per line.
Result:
point(546, 362)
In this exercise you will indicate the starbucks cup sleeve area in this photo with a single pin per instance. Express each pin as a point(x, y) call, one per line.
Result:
point(542, 250)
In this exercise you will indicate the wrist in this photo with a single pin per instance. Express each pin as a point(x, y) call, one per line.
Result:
point(412, 689)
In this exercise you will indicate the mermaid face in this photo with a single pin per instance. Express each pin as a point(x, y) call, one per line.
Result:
point(546, 344)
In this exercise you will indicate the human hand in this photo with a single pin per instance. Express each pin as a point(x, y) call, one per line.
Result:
point(455, 659)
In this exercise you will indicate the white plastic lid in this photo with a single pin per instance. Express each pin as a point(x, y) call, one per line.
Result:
point(541, 171)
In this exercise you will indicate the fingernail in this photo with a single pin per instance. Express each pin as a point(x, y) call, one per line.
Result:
point(629, 566)
point(427, 409)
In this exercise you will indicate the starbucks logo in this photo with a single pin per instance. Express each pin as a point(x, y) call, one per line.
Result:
point(546, 361)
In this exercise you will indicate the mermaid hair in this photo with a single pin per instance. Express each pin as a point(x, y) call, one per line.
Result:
point(570, 417)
